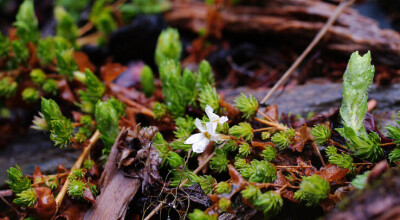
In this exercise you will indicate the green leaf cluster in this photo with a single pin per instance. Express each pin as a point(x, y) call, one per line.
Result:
point(17, 181)
point(269, 153)
point(5, 46)
point(66, 64)
point(147, 80)
point(197, 214)
point(184, 127)
point(220, 161)
point(30, 94)
point(168, 46)
point(26, 198)
point(282, 139)
point(135, 7)
point(270, 203)
point(209, 96)
point(20, 54)
point(341, 160)
point(243, 129)
point(107, 119)
point(248, 106)
point(61, 129)
point(394, 156)
point(183, 89)
point(360, 181)
point(356, 81)
point(66, 26)
point(94, 92)
point(159, 110)
point(321, 133)
point(26, 23)
point(258, 171)
point(74, 7)
point(8, 87)
point(101, 16)
point(223, 187)
point(313, 189)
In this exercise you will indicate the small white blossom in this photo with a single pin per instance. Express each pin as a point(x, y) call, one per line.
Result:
point(214, 117)
point(207, 133)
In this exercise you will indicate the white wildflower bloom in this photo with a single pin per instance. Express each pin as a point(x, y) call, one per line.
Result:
point(214, 117)
point(207, 133)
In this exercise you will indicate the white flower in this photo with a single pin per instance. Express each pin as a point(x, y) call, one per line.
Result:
point(207, 133)
point(214, 117)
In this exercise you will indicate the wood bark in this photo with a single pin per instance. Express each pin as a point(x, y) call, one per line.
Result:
point(298, 21)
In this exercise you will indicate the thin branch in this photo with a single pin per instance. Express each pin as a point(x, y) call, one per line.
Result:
point(343, 5)
point(272, 124)
point(314, 145)
point(77, 165)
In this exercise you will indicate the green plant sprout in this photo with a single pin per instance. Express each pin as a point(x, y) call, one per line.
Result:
point(356, 80)
point(313, 189)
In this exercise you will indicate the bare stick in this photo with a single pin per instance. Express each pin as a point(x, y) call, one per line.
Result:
point(343, 5)
point(77, 165)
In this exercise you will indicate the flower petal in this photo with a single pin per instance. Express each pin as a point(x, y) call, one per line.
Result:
point(211, 127)
point(210, 114)
point(199, 147)
point(195, 138)
point(199, 125)
point(223, 119)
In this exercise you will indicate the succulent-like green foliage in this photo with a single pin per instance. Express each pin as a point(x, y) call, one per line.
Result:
point(136, 7)
point(168, 46)
point(26, 198)
point(94, 92)
point(394, 133)
point(5, 46)
point(197, 214)
point(244, 149)
point(224, 204)
point(162, 147)
point(282, 139)
point(76, 188)
point(174, 160)
point(240, 163)
point(270, 202)
point(209, 96)
point(265, 135)
point(321, 133)
point(61, 132)
point(360, 181)
point(20, 54)
point(244, 130)
point(219, 162)
point(206, 182)
point(184, 127)
point(88, 164)
point(17, 181)
point(394, 156)
point(147, 79)
point(107, 120)
point(50, 110)
point(341, 160)
point(230, 146)
point(269, 153)
point(223, 187)
point(76, 174)
point(26, 23)
point(75, 7)
point(66, 64)
point(251, 193)
point(45, 50)
point(66, 26)
point(159, 110)
point(205, 73)
point(101, 16)
point(30, 94)
point(37, 76)
point(8, 87)
point(313, 189)
point(259, 171)
point(248, 106)
point(356, 81)
point(50, 86)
